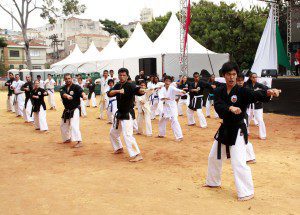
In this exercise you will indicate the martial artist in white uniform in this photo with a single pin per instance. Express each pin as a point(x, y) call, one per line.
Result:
point(81, 83)
point(258, 106)
point(103, 97)
point(167, 95)
point(144, 112)
point(70, 123)
point(231, 102)
point(39, 107)
point(123, 121)
point(27, 88)
point(154, 100)
point(210, 97)
point(196, 89)
point(42, 82)
point(113, 76)
point(112, 103)
point(10, 93)
point(49, 85)
point(19, 95)
point(183, 100)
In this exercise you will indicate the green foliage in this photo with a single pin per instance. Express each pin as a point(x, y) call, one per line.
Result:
point(114, 28)
point(2, 42)
point(221, 28)
point(3, 69)
point(122, 42)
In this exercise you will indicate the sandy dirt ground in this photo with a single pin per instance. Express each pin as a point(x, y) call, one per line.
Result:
point(39, 175)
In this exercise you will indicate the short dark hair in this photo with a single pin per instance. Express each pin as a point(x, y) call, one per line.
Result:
point(38, 76)
point(17, 75)
point(105, 71)
point(241, 76)
point(122, 70)
point(229, 66)
point(167, 77)
point(10, 73)
point(142, 82)
point(196, 73)
point(110, 81)
point(50, 75)
point(67, 74)
point(111, 70)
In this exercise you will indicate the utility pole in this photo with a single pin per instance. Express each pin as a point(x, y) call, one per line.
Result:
point(183, 53)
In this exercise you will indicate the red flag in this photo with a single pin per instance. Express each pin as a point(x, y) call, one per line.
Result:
point(187, 24)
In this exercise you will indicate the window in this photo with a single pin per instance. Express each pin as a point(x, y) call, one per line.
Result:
point(11, 66)
point(36, 67)
point(34, 53)
point(14, 53)
point(21, 66)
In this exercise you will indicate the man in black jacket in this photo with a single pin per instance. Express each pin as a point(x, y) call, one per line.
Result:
point(27, 88)
point(231, 102)
point(10, 94)
point(125, 93)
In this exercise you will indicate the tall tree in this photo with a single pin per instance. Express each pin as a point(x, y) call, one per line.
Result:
point(2, 45)
point(114, 28)
point(49, 9)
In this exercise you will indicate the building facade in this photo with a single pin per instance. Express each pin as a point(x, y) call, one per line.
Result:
point(146, 15)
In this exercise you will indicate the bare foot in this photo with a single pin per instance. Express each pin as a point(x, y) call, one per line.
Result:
point(246, 198)
point(119, 151)
point(179, 140)
point(137, 158)
point(251, 161)
point(206, 185)
point(37, 129)
point(160, 136)
point(192, 124)
point(67, 141)
point(78, 145)
point(207, 116)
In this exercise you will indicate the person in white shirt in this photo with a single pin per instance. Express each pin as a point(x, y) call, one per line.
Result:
point(49, 84)
point(104, 86)
point(19, 95)
point(144, 111)
point(154, 100)
point(113, 76)
point(169, 111)
point(81, 83)
point(112, 103)
point(42, 83)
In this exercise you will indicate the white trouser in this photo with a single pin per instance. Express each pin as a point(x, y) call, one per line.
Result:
point(209, 103)
point(191, 119)
point(103, 105)
point(241, 171)
point(83, 108)
point(144, 118)
point(250, 152)
point(176, 128)
point(111, 110)
point(153, 108)
point(250, 113)
point(40, 121)
point(27, 112)
point(93, 99)
point(259, 117)
point(135, 126)
point(126, 127)
point(71, 129)
point(51, 98)
point(10, 103)
point(182, 102)
point(19, 104)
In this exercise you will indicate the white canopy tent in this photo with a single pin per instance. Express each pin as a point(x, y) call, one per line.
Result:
point(266, 54)
point(68, 64)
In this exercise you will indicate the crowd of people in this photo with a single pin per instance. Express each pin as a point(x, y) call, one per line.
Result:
point(235, 102)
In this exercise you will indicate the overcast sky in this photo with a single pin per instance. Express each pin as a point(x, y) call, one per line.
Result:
point(122, 11)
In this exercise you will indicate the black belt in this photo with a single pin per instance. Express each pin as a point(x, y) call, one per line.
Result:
point(68, 114)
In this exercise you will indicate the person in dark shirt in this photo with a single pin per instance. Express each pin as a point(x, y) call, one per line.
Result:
point(91, 96)
point(27, 88)
point(231, 102)
point(125, 93)
point(183, 100)
point(140, 77)
point(210, 97)
point(70, 124)
point(39, 107)
point(10, 94)
point(196, 89)
point(256, 110)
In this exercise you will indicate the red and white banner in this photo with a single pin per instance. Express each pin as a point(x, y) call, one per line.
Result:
point(187, 24)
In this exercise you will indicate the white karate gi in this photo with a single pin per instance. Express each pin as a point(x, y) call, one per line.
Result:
point(82, 103)
point(10, 103)
point(250, 152)
point(241, 171)
point(258, 116)
point(103, 97)
point(154, 100)
point(144, 113)
point(19, 99)
point(40, 120)
point(70, 130)
point(49, 84)
point(111, 108)
point(209, 103)
point(126, 128)
point(27, 112)
point(93, 99)
point(42, 84)
point(182, 102)
point(169, 112)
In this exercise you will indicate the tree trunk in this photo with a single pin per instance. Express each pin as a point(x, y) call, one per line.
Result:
point(26, 46)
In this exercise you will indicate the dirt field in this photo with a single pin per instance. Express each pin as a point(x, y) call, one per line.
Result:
point(39, 175)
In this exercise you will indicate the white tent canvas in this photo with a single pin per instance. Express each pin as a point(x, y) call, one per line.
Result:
point(266, 54)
